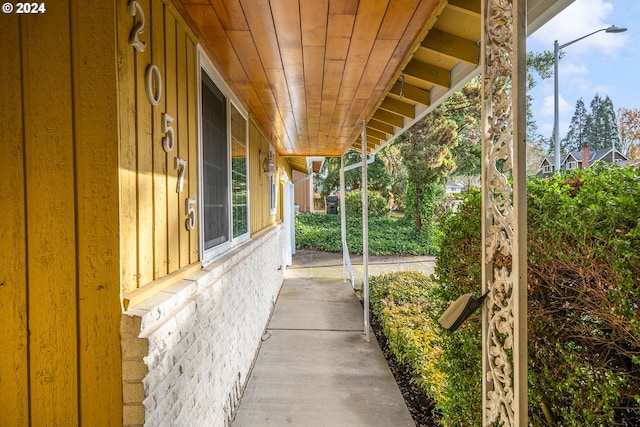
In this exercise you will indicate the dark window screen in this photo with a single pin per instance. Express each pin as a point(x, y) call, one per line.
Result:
point(214, 164)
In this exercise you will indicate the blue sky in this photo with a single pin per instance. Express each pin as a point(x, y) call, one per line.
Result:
point(604, 63)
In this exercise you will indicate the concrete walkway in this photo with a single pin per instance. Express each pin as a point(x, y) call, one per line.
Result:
point(314, 367)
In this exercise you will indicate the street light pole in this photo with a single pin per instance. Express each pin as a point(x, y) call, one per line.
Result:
point(556, 110)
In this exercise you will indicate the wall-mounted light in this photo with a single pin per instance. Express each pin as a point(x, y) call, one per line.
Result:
point(460, 310)
point(268, 162)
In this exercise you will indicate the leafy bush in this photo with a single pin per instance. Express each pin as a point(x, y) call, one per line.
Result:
point(377, 204)
point(403, 304)
point(583, 277)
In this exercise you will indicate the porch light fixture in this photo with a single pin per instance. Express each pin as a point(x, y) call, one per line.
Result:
point(556, 54)
point(460, 310)
point(268, 163)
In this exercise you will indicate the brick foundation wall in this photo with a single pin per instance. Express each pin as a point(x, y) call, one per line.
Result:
point(198, 339)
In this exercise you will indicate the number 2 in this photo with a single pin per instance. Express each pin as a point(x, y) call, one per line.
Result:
point(138, 27)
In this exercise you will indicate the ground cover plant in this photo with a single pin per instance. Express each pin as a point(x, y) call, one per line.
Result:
point(387, 235)
point(584, 292)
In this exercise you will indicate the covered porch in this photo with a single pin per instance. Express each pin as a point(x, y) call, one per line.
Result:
point(327, 77)
point(148, 194)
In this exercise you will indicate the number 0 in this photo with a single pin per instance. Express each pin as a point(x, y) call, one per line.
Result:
point(153, 84)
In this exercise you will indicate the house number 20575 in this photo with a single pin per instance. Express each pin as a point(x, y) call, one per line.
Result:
point(153, 90)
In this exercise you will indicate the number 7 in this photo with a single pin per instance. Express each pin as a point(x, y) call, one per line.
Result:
point(181, 166)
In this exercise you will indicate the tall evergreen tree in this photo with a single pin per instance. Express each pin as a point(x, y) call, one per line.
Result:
point(602, 128)
point(576, 138)
point(426, 148)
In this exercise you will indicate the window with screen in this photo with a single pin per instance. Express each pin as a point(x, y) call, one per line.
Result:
point(215, 188)
point(225, 180)
point(239, 176)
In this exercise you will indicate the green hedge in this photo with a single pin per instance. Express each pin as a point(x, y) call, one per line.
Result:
point(404, 306)
point(584, 292)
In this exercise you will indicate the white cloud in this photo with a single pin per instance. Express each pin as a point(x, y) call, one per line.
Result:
point(579, 19)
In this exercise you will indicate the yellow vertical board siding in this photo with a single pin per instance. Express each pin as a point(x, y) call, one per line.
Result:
point(51, 246)
point(173, 237)
point(154, 239)
point(192, 111)
point(127, 78)
point(183, 147)
point(162, 168)
point(144, 149)
point(96, 165)
point(13, 286)
point(193, 78)
point(259, 181)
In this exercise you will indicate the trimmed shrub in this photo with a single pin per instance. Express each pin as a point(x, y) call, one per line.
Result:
point(403, 304)
point(584, 287)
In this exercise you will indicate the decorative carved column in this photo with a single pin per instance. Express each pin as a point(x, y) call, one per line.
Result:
point(504, 269)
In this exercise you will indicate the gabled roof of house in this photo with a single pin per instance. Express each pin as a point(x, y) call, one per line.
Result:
point(594, 156)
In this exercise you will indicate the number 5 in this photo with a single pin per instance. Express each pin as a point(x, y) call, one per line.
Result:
point(168, 141)
point(191, 213)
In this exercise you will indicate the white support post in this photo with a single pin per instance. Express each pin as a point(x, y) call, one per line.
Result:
point(365, 231)
point(343, 220)
point(504, 233)
point(311, 207)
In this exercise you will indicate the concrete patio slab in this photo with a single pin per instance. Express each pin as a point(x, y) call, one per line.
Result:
point(314, 368)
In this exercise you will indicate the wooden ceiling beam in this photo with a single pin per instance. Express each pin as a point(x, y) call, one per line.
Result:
point(428, 73)
point(410, 92)
point(452, 46)
point(398, 107)
point(469, 7)
point(381, 126)
point(376, 133)
point(389, 118)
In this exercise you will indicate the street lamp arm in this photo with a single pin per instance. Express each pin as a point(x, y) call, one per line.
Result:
point(556, 112)
point(611, 29)
point(562, 46)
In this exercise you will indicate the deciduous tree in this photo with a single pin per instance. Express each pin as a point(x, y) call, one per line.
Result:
point(629, 122)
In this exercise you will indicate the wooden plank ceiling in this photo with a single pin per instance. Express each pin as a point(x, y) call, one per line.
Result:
point(310, 71)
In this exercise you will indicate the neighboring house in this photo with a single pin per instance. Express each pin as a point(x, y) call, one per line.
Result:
point(454, 188)
point(146, 182)
point(581, 160)
point(303, 181)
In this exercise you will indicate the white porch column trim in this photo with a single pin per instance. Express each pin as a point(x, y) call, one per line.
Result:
point(365, 231)
point(504, 234)
point(343, 220)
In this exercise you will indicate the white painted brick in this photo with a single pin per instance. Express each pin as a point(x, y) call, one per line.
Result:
point(204, 332)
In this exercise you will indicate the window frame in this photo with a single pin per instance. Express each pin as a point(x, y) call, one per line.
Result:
point(273, 186)
point(204, 65)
